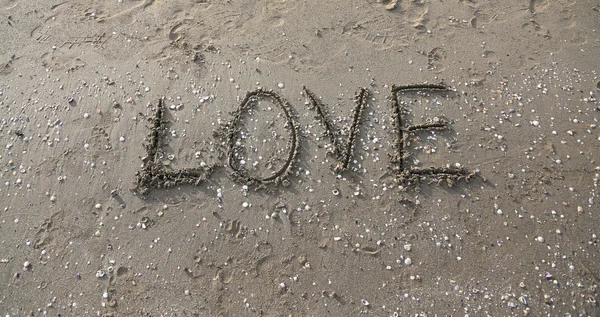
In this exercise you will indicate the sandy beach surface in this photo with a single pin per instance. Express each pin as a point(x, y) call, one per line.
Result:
point(299, 158)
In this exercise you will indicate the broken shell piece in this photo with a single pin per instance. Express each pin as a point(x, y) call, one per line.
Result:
point(335, 192)
point(364, 302)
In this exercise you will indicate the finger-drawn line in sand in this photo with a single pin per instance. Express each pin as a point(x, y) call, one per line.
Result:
point(342, 152)
point(235, 153)
point(155, 174)
point(402, 133)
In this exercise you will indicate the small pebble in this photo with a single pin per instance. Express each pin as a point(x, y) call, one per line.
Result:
point(540, 239)
point(407, 261)
point(280, 85)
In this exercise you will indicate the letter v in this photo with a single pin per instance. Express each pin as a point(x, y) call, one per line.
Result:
point(343, 152)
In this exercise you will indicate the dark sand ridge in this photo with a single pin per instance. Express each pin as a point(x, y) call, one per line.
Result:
point(80, 82)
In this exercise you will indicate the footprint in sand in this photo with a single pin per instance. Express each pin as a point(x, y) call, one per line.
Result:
point(275, 12)
point(126, 15)
point(483, 13)
point(6, 67)
point(8, 4)
point(415, 12)
point(536, 28)
point(418, 15)
point(436, 58)
point(538, 5)
point(388, 4)
point(59, 61)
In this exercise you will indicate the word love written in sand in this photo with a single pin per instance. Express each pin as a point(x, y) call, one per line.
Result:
point(155, 174)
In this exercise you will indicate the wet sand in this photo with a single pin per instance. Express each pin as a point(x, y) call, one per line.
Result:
point(299, 158)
